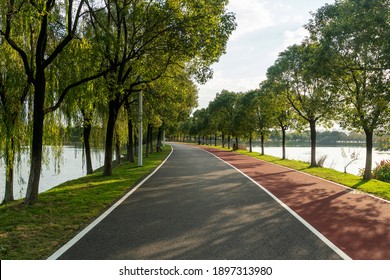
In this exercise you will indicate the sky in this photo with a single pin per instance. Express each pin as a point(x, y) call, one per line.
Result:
point(265, 28)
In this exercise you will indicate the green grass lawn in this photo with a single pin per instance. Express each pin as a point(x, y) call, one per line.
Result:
point(375, 187)
point(35, 232)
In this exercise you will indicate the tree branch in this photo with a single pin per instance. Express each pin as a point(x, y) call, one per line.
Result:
point(23, 55)
point(68, 37)
point(76, 84)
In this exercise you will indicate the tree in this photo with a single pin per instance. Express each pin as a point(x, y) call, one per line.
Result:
point(39, 31)
point(245, 116)
point(13, 116)
point(265, 113)
point(200, 123)
point(355, 34)
point(281, 105)
point(82, 106)
point(146, 37)
point(223, 110)
point(310, 93)
point(173, 97)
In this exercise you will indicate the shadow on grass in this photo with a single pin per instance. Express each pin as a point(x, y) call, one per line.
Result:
point(361, 183)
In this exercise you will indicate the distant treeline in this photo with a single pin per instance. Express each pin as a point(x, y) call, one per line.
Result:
point(327, 138)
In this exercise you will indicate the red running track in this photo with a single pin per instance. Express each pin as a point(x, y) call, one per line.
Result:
point(357, 223)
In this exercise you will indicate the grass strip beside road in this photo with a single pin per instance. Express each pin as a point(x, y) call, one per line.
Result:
point(37, 231)
point(374, 187)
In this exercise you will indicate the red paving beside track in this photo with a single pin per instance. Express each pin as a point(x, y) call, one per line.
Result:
point(355, 222)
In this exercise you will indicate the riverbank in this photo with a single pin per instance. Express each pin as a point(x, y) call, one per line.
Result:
point(374, 187)
point(61, 164)
point(35, 232)
point(337, 157)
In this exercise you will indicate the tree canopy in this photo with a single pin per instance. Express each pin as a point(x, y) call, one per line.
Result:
point(354, 33)
point(73, 50)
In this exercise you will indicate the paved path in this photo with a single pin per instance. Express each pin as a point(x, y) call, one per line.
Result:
point(357, 223)
point(198, 207)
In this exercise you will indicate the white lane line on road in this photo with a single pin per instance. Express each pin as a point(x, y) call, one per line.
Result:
point(329, 243)
point(81, 234)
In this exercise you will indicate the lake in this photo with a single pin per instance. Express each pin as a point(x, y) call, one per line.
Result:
point(68, 166)
point(71, 164)
point(334, 158)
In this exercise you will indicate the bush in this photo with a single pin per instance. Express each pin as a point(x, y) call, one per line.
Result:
point(382, 171)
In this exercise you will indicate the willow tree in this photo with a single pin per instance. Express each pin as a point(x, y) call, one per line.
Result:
point(39, 31)
point(13, 116)
point(82, 104)
point(355, 33)
point(145, 37)
point(301, 68)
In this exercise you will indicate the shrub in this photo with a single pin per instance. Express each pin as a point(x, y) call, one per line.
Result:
point(382, 171)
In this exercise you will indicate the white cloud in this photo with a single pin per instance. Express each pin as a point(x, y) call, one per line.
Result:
point(255, 15)
point(294, 37)
point(251, 15)
point(265, 28)
point(221, 82)
point(291, 37)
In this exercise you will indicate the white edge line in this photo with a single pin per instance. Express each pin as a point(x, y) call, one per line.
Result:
point(81, 234)
point(329, 243)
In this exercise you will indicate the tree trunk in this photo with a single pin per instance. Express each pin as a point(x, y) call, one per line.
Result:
point(215, 139)
point(130, 141)
point(37, 140)
point(9, 167)
point(283, 142)
point(117, 147)
point(87, 145)
point(159, 138)
point(147, 141)
point(130, 144)
point(223, 140)
point(135, 144)
point(262, 144)
point(369, 144)
point(250, 143)
point(229, 141)
point(151, 139)
point(313, 140)
point(112, 116)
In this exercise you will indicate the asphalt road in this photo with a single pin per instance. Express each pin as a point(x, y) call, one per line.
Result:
point(197, 207)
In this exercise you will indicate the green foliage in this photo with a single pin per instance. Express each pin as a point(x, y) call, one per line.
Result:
point(245, 115)
point(384, 145)
point(382, 171)
point(307, 88)
point(200, 123)
point(170, 99)
point(354, 34)
point(222, 110)
point(60, 47)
